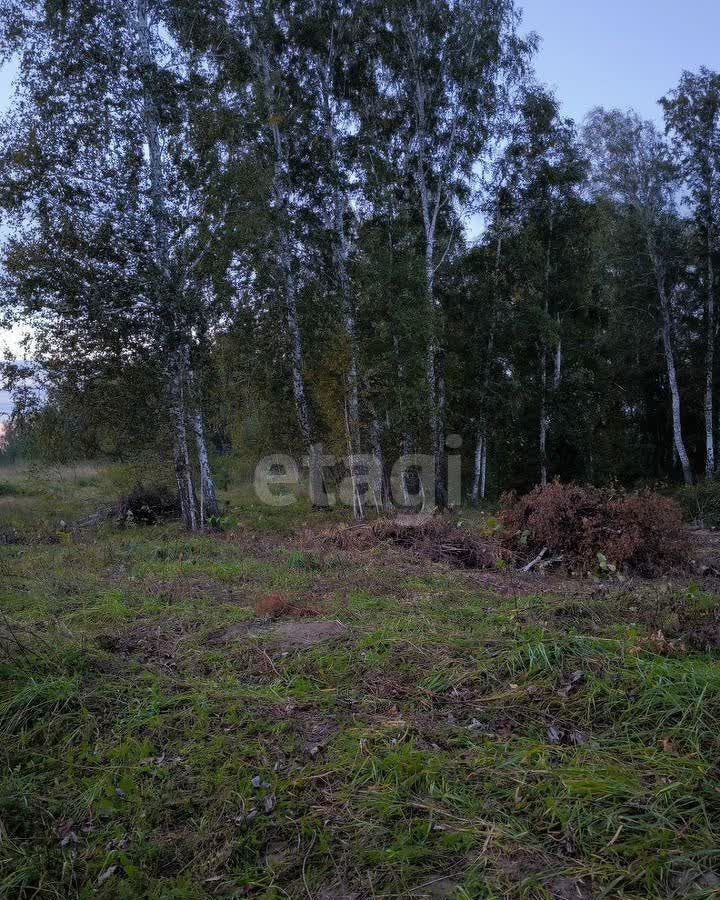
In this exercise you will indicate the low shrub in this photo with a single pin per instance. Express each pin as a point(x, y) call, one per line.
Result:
point(642, 531)
point(147, 470)
point(646, 530)
point(701, 503)
point(148, 505)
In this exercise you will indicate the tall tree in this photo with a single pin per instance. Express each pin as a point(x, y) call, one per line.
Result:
point(692, 116)
point(95, 187)
point(440, 77)
point(632, 165)
point(329, 36)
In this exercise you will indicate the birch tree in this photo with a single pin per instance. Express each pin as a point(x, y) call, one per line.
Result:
point(441, 77)
point(328, 39)
point(632, 166)
point(96, 190)
point(692, 116)
point(177, 346)
point(263, 29)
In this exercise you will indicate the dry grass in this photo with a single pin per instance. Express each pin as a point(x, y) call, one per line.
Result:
point(435, 538)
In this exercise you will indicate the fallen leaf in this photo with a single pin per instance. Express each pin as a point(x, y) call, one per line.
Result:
point(246, 818)
point(571, 685)
point(108, 873)
point(67, 834)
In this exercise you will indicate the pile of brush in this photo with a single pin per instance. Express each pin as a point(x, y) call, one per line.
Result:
point(584, 525)
point(147, 505)
point(431, 537)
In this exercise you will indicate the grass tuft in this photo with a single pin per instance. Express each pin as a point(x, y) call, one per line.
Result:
point(458, 738)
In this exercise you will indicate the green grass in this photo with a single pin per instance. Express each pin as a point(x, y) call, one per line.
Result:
point(445, 747)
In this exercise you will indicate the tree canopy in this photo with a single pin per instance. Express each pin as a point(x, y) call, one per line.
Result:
point(288, 225)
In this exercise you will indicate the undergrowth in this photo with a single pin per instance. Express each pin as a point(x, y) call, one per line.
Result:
point(159, 738)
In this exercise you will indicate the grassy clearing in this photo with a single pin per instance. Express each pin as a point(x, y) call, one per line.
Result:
point(456, 740)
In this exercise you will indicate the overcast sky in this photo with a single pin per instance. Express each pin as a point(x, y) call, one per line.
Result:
point(623, 53)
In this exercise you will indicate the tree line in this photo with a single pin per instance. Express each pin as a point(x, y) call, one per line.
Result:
point(257, 225)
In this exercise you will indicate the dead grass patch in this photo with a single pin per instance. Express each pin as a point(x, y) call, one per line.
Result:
point(149, 643)
point(276, 606)
point(282, 636)
point(438, 539)
point(190, 587)
point(299, 635)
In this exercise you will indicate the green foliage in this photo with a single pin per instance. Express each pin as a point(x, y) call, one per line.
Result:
point(284, 186)
point(701, 503)
point(222, 523)
point(144, 471)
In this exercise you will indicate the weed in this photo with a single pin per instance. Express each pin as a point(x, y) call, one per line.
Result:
point(451, 740)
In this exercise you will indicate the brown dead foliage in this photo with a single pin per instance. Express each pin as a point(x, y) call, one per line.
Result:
point(698, 629)
point(643, 532)
point(437, 539)
point(275, 606)
point(280, 636)
point(660, 645)
point(149, 642)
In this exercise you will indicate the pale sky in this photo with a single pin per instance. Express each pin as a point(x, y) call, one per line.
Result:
point(621, 53)
point(616, 53)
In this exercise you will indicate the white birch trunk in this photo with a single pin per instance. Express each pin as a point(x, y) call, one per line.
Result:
point(281, 194)
point(481, 441)
point(383, 499)
point(483, 470)
point(477, 473)
point(183, 471)
point(669, 351)
point(407, 448)
point(710, 360)
point(430, 205)
point(209, 506)
point(543, 416)
point(176, 367)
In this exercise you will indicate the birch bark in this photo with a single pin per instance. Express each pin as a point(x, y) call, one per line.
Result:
point(478, 469)
point(544, 418)
point(341, 256)
point(177, 350)
point(430, 203)
point(669, 352)
point(710, 358)
point(479, 475)
point(281, 195)
point(209, 506)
